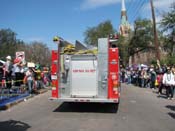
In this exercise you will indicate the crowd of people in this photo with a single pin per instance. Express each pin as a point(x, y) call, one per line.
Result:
point(157, 77)
point(16, 73)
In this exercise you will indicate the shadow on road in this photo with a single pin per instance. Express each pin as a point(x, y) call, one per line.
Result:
point(171, 114)
point(172, 108)
point(162, 96)
point(87, 107)
point(12, 125)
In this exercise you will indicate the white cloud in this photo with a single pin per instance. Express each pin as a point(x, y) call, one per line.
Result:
point(91, 4)
point(162, 5)
point(132, 26)
point(158, 19)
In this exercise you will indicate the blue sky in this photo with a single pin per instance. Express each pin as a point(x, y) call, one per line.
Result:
point(41, 20)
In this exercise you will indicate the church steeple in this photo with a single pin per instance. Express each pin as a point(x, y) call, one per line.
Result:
point(124, 26)
point(123, 5)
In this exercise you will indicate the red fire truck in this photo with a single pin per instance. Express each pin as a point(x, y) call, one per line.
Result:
point(87, 77)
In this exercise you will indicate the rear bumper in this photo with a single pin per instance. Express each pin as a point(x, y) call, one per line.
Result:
point(90, 100)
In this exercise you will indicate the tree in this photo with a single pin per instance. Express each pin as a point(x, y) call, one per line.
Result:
point(123, 44)
point(8, 43)
point(142, 36)
point(168, 21)
point(141, 39)
point(102, 30)
point(168, 25)
point(37, 52)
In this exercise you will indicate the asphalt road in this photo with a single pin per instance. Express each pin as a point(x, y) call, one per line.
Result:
point(139, 110)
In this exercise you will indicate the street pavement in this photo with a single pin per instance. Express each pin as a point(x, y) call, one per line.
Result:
point(140, 109)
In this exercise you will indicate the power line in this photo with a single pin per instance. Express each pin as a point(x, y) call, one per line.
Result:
point(145, 10)
point(160, 13)
point(130, 5)
point(139, 9)
point(133, 10)
point(133, 5)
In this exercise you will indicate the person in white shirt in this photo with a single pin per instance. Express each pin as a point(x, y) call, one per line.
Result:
point(8, 70)
point(29, 77)
point(169, 81)
point(17, 71)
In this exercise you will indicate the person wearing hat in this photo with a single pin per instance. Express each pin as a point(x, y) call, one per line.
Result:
point(30, 79)
point(17, 71)
point(8, 70)
point(169, 81)
point(38, 77)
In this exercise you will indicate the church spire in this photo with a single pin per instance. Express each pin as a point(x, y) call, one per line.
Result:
point(123, 10)
point(123, 5)
point(124, 26)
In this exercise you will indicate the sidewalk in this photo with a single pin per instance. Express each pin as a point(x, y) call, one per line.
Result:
point(11, 101)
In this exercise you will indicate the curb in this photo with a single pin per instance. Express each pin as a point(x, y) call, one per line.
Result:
point(11, 104)
point(41, 91)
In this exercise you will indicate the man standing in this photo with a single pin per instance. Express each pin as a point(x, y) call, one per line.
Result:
point(29, 77)
point(8, 70)
point(168, 81)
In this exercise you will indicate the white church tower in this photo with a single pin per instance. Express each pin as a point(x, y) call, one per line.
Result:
point(124, 24)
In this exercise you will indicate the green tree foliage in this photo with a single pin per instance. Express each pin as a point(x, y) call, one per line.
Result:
point(142, 36)
point(168, 25)
point(36, 52)
point(102, 30)
point(168, 21)
point(123, 43)
point(8, 43)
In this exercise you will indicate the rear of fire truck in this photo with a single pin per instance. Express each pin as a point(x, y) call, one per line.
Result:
point(86, 76)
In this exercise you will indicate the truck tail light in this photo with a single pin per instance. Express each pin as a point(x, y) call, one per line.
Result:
point(53, 88)
point(114, 77)
point(115, 84)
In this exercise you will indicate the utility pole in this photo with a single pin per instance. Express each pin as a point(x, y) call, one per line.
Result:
point(155, 32)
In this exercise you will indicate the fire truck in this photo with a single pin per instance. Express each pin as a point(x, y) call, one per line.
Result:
point(87, 77)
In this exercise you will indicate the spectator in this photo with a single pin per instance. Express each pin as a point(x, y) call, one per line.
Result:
point(147, 77)
point(8, 71)
point(160, 80)
point(173, 87)
point(152, 77)
point(140, 76)
point(128, 73)
point(123, 75)
point(29, 78)
point(38, 77)
point(17, 70)
point(168, 81)
point(1, 74)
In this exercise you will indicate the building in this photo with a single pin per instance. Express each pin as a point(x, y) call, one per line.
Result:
point(124, 25)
